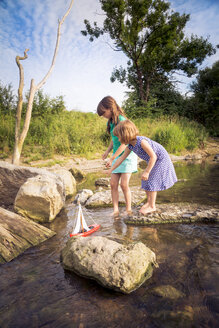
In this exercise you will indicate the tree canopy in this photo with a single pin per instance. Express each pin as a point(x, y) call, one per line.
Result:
point(203, 106)
point(152, 36)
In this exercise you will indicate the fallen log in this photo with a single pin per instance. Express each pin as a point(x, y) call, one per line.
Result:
point(18, 234)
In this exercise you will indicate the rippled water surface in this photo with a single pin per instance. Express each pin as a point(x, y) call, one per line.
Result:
point(35, 291)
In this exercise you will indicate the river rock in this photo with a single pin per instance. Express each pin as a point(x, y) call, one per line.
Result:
point(103, 182)
point(83, 196)
point(176, 213)
point(103, 198)
point(40, 198)
point(167, 291)
point(119, 267)
point(12, 177)
point(18, 234)
point(69, 180)
point(77, 174)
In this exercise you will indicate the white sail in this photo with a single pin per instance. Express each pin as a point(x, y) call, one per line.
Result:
point(80, 220)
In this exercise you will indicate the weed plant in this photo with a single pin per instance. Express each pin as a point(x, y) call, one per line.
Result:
point(84, 134)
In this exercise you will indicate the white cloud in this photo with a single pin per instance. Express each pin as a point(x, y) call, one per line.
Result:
point(83, 69)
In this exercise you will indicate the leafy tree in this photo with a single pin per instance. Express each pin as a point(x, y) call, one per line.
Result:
point(44, 105)
point(152, 37)
point(7, 99)
point(203, 106)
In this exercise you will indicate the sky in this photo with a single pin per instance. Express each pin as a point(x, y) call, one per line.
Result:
point(83, 69)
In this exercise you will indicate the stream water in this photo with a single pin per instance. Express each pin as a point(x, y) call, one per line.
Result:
point(35, 291)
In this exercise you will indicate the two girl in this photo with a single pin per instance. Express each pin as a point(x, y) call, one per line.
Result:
point(159, 173)
point(109, 109)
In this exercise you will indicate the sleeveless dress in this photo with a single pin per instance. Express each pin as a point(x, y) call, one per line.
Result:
point(162, 175)
point(129, 165)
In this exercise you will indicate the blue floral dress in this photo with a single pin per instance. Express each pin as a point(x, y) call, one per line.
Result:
point(162, 175)
point(129, 165)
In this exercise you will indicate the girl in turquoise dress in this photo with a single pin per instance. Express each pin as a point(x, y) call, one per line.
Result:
point(109, 109)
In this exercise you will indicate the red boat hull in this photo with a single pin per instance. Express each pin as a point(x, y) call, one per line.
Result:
point(95, 227)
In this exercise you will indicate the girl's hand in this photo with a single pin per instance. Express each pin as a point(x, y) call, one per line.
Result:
point(109, 163)
point(145, 176)
point(104, 156)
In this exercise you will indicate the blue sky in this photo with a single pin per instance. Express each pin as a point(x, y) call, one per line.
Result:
point(83, 69)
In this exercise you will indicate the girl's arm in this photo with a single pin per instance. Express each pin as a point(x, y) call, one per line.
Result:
point(153, 157)
point(117, 153)
point(119, 161)
point(108, 150)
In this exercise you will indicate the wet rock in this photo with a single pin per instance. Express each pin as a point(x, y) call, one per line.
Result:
point(83, 196)
point(119, 267)
point(69, 180)
point(167, 291)
point(40, 198)
point(194, 157)
point(216, 158)
point(176, 213)
point(103, 198)
point(103, 182)
point(12, 177)
point(18, 234)
point(77, 174)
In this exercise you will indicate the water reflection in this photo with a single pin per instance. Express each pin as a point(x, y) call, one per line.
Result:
point(35, 291)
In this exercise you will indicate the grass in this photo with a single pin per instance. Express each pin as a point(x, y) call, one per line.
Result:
point(84, 134)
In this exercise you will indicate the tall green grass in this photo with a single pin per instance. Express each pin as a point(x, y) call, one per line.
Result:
point(85, 134)
point(174, 133)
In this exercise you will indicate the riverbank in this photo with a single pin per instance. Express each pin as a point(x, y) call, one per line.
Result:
point(210, 149)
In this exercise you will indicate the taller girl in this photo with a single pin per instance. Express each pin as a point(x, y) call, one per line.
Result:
point(109, 109)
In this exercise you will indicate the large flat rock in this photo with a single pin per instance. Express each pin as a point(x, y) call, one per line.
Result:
point(176, 213)
point(18, 234)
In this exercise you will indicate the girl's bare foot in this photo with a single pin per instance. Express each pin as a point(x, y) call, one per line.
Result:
point(115, 214)
point(145, 206)
point(147, 210)
point(127, 213)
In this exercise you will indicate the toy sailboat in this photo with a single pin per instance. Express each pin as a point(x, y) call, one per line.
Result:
point(81, 227)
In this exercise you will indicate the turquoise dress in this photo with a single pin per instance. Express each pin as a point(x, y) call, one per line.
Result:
point(129, 165)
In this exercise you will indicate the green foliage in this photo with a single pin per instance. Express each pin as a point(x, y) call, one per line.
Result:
point(203, 106)
point(7, 99)
point(7, 127)
point(44, 105)
point(174, 133)
point(152, 37)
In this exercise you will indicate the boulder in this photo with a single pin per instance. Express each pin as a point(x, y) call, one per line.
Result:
point(69, 180)
point(119, 267)
point(103, 198)
point(12, 177)
point(40, 198)
point(83, 196)
point(18, 234)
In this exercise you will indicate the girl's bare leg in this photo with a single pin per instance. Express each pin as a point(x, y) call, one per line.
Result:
point(151, 201)
point(114, 184)
point(125, 177)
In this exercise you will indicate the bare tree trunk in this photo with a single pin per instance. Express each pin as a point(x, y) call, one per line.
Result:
point(20, 136)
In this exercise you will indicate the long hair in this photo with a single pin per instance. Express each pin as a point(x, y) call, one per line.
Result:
point(110, 103)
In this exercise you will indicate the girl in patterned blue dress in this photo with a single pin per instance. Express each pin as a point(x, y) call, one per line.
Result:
point(159, 173)
point(109, 109)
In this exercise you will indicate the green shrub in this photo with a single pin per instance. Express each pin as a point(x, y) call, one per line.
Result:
point(171, 137)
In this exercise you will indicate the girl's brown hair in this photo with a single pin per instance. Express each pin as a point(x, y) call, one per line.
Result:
point(126, 131)
point(110, 103)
